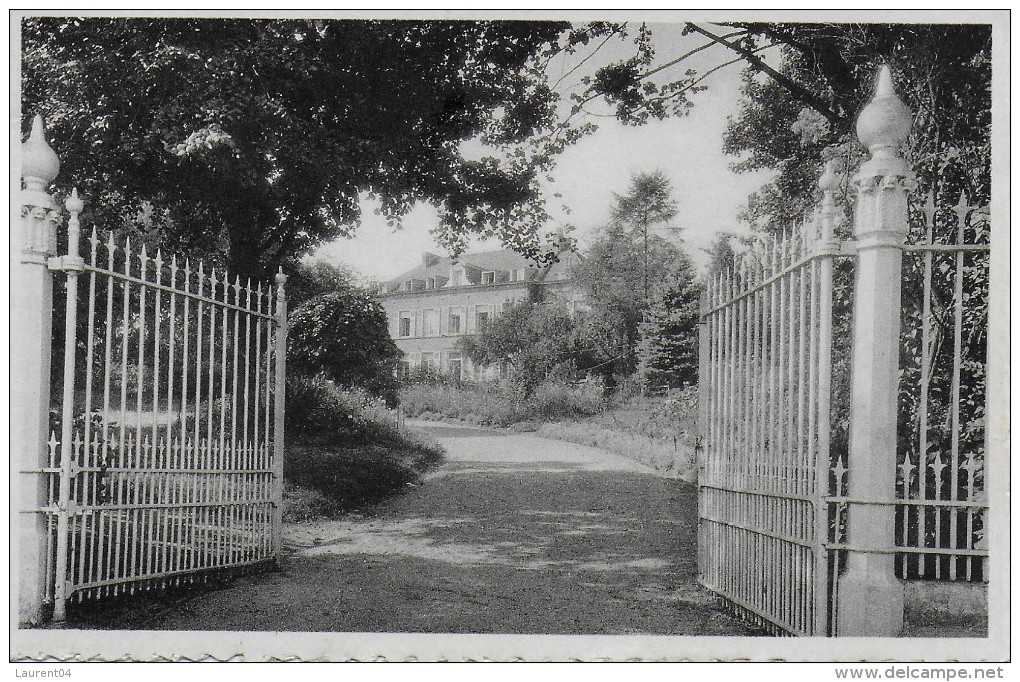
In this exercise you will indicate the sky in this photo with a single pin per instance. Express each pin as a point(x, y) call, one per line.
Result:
point(688, 150)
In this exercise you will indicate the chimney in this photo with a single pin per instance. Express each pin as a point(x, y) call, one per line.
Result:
point(428, 259)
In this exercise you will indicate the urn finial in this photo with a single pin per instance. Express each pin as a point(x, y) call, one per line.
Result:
point(39, 163)
point(884, 124)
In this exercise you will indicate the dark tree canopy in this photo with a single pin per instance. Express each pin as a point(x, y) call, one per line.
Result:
point(255, 138)
point(667, 350)
point(803, 113)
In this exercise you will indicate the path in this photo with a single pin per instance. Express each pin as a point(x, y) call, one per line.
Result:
point(513, 534)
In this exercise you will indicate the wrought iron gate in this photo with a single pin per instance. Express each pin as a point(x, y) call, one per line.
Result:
point(843, 452)
point(765, 397)
point(166, 459)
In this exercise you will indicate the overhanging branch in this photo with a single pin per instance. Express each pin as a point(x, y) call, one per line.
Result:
point(798, 91)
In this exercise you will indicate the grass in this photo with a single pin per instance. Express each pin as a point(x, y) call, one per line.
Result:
point(502, 404)
point(346, 451)
point(655, 430)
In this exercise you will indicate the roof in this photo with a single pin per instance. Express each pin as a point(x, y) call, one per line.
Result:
point(498, 260)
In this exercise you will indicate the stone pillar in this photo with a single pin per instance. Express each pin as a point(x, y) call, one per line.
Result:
point(279, 409)
point(33, 243)
point(870, 596)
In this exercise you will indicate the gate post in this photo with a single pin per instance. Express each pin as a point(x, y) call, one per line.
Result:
point(870, 601)
point(279, 407)
point(32, 319)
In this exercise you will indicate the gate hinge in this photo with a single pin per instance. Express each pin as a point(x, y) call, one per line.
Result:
point(66, 263)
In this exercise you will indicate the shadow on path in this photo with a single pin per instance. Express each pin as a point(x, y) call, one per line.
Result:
point(513, 534)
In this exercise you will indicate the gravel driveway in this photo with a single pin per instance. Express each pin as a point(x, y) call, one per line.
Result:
point(512, 534)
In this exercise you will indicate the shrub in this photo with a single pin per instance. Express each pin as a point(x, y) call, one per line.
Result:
point(503, 403)
point(328, 480)
point(319, 411)
point(343, 335)
point(553, 400)
point(346, 449)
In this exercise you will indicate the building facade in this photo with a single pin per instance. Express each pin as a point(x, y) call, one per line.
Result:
point(430, 308)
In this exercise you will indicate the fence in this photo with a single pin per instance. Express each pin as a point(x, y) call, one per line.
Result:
point(765, 400)
point(842, 399)
point(165, 458)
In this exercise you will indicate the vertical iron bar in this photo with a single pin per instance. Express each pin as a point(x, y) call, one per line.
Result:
point(926, 360)
point(954, 472)
point(71, 265)
point(198, 357)
point(90, 482)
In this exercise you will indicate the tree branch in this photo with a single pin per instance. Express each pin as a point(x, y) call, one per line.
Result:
point(795, 89)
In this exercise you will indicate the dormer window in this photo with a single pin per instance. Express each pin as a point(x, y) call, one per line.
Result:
point(488, 277)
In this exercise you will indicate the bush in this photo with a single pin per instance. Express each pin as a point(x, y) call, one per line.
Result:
point(321, 412)
point(324, 481)
point(555, 400)
point(503, 403)
point(343, 335)
point(346, 449)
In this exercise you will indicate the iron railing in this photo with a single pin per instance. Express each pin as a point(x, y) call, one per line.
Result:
point(169, 460)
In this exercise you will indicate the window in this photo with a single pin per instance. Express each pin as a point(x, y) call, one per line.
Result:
point(454, 326)
point(405, 324)
point(481, 321)
point(455, 277)
point(488, 277)
point(431, 322)
point(455, 365)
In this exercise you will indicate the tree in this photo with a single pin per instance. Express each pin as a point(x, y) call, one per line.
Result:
point(801, 100)
point(667, 351)
point(343, 335)
point(252, 140)
point(612, 276)
point(721, 253)
point(535, 338)
point(649, 203)
point(308, 279)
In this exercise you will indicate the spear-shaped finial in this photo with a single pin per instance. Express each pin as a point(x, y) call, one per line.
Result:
point(74, 204)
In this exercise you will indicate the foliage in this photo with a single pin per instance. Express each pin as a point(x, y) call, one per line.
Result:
point(667, 351)
point(346, 449)
point(344, 335)
point(503, 403)
point(656, 431)
point(648, 203)
point(801, 110)
point(535, 338)
point(613, 278)
point(721, 254)
point(255, 138)
point(319, 411)
point(805, 113)
point(309, 279)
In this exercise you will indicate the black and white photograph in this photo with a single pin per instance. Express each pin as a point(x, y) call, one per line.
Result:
point(510, 336)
